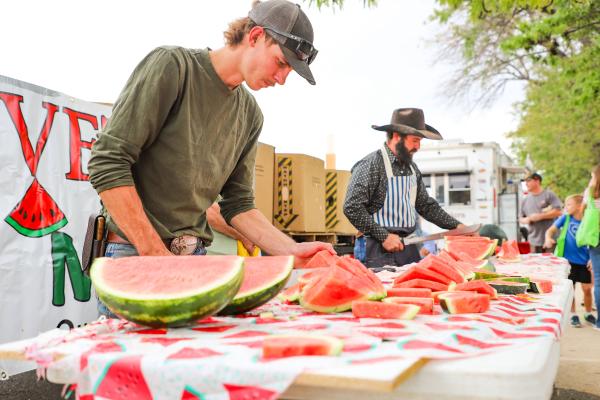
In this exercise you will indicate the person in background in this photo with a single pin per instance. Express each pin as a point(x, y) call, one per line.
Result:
point(578, 257)
point(593, 192)
point(360, 247)
point(386, 193)
point(538, 209)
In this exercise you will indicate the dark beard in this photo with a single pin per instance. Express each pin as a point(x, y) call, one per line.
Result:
point(403, 156)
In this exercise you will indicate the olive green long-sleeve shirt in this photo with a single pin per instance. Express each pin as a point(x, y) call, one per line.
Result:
point(181, 137)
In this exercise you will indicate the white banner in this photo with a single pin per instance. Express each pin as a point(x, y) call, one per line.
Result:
point(45, 200)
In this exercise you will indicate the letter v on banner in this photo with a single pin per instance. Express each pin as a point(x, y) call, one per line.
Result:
point(285, 208)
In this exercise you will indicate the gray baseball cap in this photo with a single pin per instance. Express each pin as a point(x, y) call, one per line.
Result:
point(291, 29)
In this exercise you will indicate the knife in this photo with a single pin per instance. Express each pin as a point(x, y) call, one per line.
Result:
point(466, 230)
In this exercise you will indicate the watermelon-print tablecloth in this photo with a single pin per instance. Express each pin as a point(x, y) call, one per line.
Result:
point(220, 357)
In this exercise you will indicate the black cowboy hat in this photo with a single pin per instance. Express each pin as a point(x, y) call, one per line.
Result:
point(410, 121)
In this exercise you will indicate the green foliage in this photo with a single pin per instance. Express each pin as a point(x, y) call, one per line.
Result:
point(554, 47)
point(560, 122)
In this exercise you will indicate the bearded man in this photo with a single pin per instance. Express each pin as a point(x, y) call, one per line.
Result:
point(386, 193)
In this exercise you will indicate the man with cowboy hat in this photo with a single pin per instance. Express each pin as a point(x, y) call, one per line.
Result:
point(386, 192)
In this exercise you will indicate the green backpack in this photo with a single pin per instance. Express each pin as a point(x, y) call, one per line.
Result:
point(588, 233)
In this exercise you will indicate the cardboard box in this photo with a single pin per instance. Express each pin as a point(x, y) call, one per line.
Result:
point(336, 185)
point(263, 179)
point(299, 193)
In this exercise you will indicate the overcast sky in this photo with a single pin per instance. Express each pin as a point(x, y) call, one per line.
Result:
point(370, 61)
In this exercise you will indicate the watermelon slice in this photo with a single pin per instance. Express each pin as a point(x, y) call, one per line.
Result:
point(279, 346)
point(358, 269)
point(321, 259)
point(419, 272)
point(460, 303)
point(440, 266)
point(476, 247)
point(479, 286)
point(167, 291)
point(483, 274)
point(425, 304)
point(37, 214)
point(540, 286)
point(291, 294)
point(509, 251)
point(409, 292)
point(334, 291)
point(309, 275)
point(505, 287)
point(436, 295)
point(422, 283)
point(264, 277)
point(376, 309)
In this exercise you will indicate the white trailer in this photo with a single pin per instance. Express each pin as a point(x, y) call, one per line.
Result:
point(473, 182)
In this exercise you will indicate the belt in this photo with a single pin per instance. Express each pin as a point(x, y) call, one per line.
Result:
point(181, 245)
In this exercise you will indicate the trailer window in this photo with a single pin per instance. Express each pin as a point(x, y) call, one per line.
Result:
point(459, 189)
point(439, 183)
point(427, 183)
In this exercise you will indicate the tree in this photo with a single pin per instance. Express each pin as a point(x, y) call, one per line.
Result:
point(553, 46)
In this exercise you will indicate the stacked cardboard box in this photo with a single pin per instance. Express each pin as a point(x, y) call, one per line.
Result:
point(299, 193)
point(336, 185)
point(263, 179)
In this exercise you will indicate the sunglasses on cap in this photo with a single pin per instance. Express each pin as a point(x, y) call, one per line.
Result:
point(304, 50)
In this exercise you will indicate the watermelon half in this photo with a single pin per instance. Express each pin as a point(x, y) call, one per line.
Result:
point(264, 277)
point(167, 291)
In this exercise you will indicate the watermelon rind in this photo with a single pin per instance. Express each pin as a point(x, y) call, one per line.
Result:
point(486, 275)
point(34, 233)
point(247, 301)
point(168, 311)
point(520, 279)
point(504, 287)
point(538, 287)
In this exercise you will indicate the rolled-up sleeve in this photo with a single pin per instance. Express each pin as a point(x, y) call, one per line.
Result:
point(138, 115)
point(238, 192)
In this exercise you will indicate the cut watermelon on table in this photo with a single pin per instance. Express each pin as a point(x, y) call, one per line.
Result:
point(422, 283)
point(476, 247)
point(264, 277)
point(291, 294)
point(279, 346)
point(167, 291)
point(377, 309)
point(419, 272)
point(509, 251)
point(426, 304)
point(442, 267)
point(321, 259)
point(479, 286)
point(506, 287)
point(461, 303)
point(409, 292)
point(540, 286)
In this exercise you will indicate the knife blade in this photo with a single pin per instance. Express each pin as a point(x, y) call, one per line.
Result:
point(466, 230)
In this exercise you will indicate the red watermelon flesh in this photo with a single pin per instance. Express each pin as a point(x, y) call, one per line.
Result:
point(361, 267)
point(356, 268)
point(541, 286)
point(309, 275)
point(419, 272)
point(425, 304)
point(457, 303)
point(440, 266)
point(334, 291)
point(465, 271)
point(509, 251)
point(479, 286)
point(321, 259)
point(377, 309)
point(409, 292)
point(476, 247)
point(422, 283)
point(436, 295)
point(291, 294)
point(124, 380)
point(279, 346)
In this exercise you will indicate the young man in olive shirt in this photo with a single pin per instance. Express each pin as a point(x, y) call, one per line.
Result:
point(184, 130)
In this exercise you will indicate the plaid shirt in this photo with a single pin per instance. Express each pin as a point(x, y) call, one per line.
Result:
point(367, 190)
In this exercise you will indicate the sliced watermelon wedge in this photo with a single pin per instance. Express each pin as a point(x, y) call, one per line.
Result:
point(264, 277)
point(321, 259)
point(460, 303)
point(509, 251)
point(419, 272)
point(476, 247)
point(377, 309)
point(425, 304)
point(479, 286)
point(291, 294)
